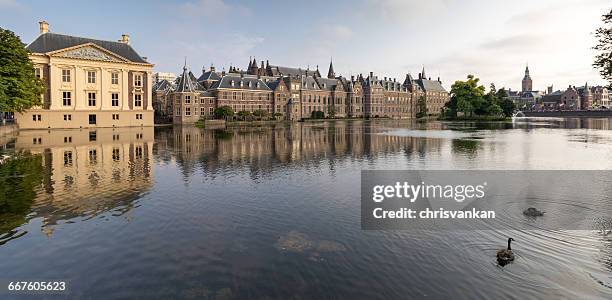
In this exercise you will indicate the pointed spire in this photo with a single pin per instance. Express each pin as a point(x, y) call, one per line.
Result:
point(250, 63)
point(423, 73)
point(185, 65)
point(331, 74)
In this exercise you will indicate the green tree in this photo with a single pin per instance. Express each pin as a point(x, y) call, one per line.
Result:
point(421, 107)
point(317, 114)
point(603, 59)
point(222, 112)
point(506, 105)
point(331, 111)
point(244, 114)
point(20, 89)
point(466, 95)
point(260, 113)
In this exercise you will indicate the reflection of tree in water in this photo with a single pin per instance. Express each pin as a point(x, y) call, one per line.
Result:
point(19, 178)
point(223, 134)
point(466, 146)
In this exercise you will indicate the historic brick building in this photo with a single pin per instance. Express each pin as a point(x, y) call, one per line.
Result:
point(296, 93)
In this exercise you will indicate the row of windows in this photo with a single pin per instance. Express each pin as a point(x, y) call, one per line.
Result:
point(92, 77)
point(91, 99)
point(92, 118)
point(93, 155)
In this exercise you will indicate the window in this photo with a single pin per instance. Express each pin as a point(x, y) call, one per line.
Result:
point(187, 99)
point(67, 139)
point(65, 75)
point(115, 99)
point(115, 137)
point(67, 117)
point(138, 152)
point(93, 156)
point(138, 116)
point(93, 136)
point(91, 76)
point(66, 98)
point(137, 80)
point(67, 158)
point(210, 110)
point(188, 111)
point(115, 116)
point(92, 119)
point(138, 100)
point(91, 99)
point(36, 118)
point(116, 154)
point(211, 101)
point(114, 78)
point(38, 72)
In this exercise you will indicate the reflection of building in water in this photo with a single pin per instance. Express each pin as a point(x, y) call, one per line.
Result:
point(262, 147)
point(88, 172)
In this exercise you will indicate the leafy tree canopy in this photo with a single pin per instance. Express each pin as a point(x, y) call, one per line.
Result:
point(20, 89)
point(603, 59)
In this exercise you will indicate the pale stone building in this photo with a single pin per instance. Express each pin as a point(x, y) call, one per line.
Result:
point(89, 83)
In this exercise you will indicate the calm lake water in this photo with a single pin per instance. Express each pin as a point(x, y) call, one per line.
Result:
point(273, 212)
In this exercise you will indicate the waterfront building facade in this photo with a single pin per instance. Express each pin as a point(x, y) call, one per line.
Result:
point(89, 83)
point(295, 93)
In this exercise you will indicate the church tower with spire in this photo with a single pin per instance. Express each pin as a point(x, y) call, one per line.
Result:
point(527, 82)
point(331, 74)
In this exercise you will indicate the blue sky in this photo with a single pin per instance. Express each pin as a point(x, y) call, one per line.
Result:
point(493, 39)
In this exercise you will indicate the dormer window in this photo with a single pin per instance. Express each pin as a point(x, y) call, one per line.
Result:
point(232, 83)
point(257, 84)
point(250, 84)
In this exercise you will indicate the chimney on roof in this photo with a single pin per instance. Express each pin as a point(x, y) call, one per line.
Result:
point(125, 38)
point(371, 74)
point(43, 26)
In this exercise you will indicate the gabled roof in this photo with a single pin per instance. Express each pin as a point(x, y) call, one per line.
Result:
point(327, 84)
point(309, 83)
point(430, 85)
point(49, 42)
point(233, 81)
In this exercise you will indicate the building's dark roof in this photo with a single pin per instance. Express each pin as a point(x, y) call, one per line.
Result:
point(187, 83)
point(390, 85)
point(233, 81)
point(288, 71)
point(49, 42)
point(309, 83)
point(552, 97)
point(327, 84)
point(273, 84)
point(430, 85)
point(209, 75)
point(162, 85)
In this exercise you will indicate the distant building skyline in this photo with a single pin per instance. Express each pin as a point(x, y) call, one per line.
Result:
point(501, 36)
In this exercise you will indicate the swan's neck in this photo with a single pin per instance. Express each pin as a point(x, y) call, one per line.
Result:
point(509, 241)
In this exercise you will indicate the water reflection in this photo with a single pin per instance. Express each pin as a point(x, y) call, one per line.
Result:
point(273, 212)
point(20, 175)
point(286, 145)
point(87, 172)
